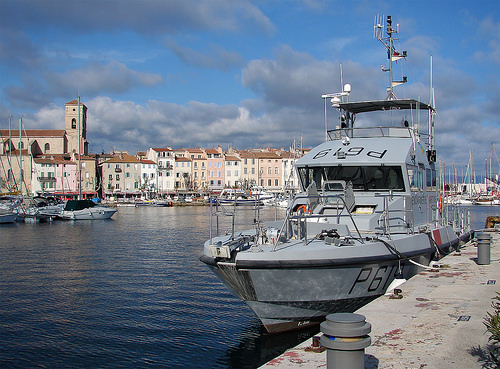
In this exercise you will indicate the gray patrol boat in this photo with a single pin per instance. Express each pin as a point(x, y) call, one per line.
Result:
point(369, 214)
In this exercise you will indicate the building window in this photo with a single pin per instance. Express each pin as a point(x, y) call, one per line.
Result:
point(276, 183)
point(269, 182)
point(73, 123)
point(47, 147)
point(117, 177)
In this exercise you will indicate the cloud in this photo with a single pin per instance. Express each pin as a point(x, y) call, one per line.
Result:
point(490, 31)
point(216, 57)
point(145, 17)
point(18, 51)
point(91, 80)
point(296, 79)
point(97, 78)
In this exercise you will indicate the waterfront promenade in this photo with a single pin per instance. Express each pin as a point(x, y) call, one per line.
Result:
point(437, 324)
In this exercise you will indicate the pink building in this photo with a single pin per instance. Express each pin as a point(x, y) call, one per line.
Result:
point(215, 169)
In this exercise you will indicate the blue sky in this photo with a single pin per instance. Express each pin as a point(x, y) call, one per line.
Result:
point(244, 73)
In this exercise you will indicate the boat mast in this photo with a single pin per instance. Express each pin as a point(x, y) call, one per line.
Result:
point(79, 154)
point(21, 179)
point(392, 54)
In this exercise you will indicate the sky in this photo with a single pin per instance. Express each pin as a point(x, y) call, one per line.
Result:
point(203, 73)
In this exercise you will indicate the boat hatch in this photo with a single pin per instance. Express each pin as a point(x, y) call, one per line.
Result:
point(364, 209)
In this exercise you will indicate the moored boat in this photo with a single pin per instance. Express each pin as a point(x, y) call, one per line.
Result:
point(86, 210)
point(368, 214)
point(7, 216)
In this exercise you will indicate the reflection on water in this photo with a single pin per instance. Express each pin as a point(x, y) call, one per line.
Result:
point(129, 292)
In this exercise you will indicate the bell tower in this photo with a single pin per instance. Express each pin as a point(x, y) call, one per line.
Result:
point(75, 131)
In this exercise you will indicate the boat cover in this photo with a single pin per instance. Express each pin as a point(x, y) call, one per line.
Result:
point(72, 205)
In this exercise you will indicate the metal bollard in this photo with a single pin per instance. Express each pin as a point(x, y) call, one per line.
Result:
point(345, 335)
point(483, 248)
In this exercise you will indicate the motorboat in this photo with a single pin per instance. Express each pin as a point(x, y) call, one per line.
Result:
point(44, 207)
point(7, 216)
point(368, 215)
point(237, 197)
point(86, 210)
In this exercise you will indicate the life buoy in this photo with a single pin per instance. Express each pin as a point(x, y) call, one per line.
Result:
point(441, 203)
point(302, 209)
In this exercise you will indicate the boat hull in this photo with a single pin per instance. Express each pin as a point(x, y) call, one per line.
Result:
point(8, 218)
point(96, 213)
point(297, 294)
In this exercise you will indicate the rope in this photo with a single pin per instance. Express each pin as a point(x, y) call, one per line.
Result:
point(401, 256)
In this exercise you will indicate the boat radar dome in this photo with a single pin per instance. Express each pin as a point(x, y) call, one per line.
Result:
point(347, 88)
point(335, 101)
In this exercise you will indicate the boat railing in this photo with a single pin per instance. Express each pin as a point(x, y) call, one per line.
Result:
point(227, 209)
point(387, 214)
point(336, 201)
point(342, 209)
point(458, 217)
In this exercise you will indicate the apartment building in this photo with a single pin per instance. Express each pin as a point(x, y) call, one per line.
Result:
point(199, 168)
point(249, 169)
point(290, 179)
point(165, 159)
point(183, 174)
point(121, 176)
point(215, 169)
point(270, 170)
point(232, 164)
point(55, 175)
point(149, 179)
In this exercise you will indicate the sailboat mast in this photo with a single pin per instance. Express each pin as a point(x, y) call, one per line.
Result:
point(492, 162)
point(21, 179)
point(79, 154)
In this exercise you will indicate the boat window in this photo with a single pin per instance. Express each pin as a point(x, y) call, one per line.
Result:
point(413, 177)
point(430, 175)
point(421, 176)
point(363, 178)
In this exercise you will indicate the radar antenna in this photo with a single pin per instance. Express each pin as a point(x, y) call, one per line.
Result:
point(392, 54)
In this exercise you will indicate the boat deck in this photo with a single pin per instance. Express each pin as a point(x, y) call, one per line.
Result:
point(437, 324)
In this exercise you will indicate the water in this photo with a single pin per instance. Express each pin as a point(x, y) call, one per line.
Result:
point(128, 293)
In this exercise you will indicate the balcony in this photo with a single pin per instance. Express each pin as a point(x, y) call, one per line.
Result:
point(46, 179)
point(118, 170)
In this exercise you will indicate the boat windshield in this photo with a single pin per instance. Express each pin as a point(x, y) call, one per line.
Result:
point(363, 178)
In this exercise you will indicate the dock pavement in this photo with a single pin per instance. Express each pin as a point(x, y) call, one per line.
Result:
point(438, 323)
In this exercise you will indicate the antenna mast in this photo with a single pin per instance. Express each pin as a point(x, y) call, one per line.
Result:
point(392, 54)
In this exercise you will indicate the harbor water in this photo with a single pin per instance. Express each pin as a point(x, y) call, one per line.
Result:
point(129, 293)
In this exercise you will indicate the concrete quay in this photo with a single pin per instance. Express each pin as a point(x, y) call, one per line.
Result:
point(438, 323)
